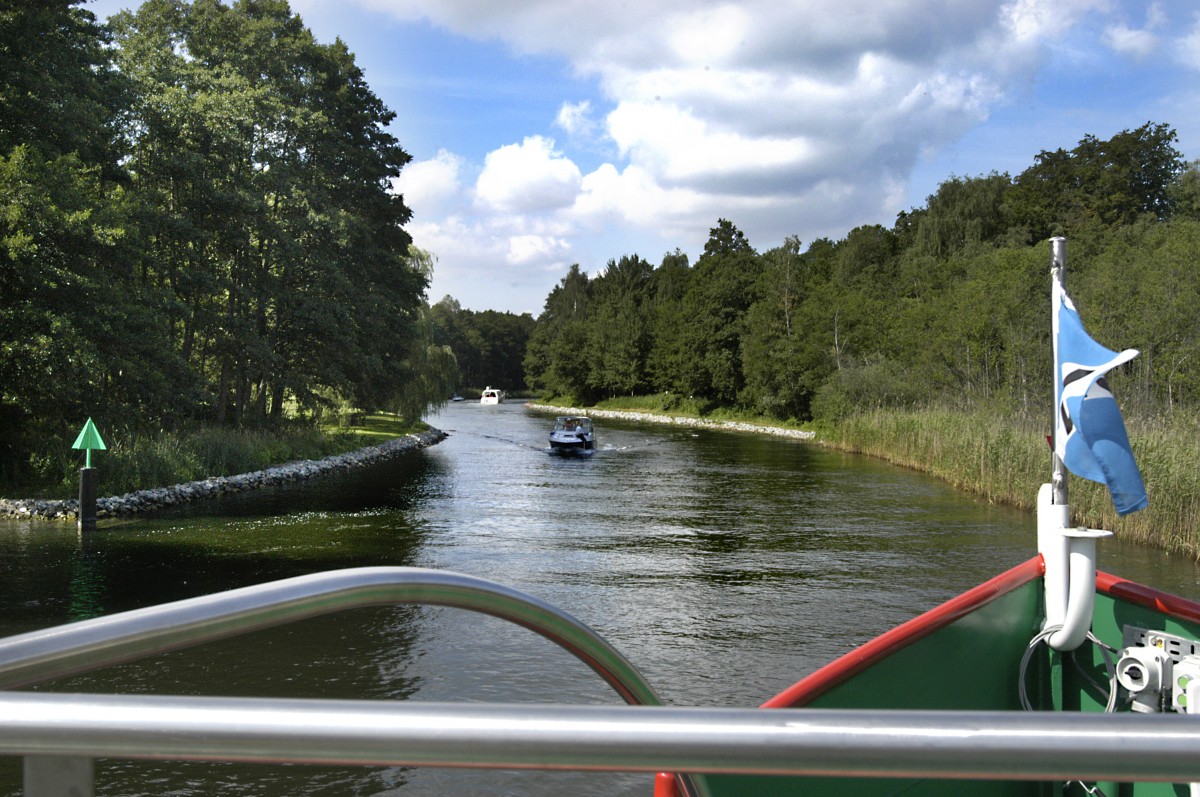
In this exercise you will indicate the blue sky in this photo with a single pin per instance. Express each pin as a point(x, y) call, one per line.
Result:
point(552, 132)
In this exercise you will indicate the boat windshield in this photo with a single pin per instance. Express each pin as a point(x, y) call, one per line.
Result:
point(572, 424)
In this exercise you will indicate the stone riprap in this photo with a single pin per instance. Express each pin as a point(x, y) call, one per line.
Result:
point(649, 417)
point(162, 497)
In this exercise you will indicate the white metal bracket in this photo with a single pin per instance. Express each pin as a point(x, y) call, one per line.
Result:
point(1069, 555)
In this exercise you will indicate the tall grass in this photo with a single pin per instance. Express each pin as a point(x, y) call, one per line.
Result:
point(1005, 460)
point(142, 461)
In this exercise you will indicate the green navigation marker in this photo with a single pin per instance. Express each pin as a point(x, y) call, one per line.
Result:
point(89, 439)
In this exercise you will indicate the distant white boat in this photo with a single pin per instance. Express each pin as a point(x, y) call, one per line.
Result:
point(491, 395)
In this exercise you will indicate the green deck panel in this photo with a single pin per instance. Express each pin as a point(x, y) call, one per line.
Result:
point(971, 664)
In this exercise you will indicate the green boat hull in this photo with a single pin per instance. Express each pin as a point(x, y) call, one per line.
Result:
point(968, 655)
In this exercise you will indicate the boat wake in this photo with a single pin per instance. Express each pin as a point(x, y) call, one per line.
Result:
point(508, 440)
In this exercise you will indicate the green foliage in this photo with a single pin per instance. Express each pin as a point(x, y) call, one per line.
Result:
point(948, 308)
point(489, 347)
point(984, 451)
point(962, 214)
point(1098, 183)
point(779, 375)
point(618, 329)
point(554, 357)
point(264, 165)
point(662, 403)
point(884, 384)
point(720, 290)
point(197, 224)
point(144, 460)
point(59, 91)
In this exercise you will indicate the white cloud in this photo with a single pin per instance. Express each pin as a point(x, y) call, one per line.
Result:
point(1188, 47)
point(527, 177)
point(709, 36)
point(681, 149)
point(1045, 20)
point(786, 117)
point(1127, 41)
point(433, 186)
point(1138, 43)
point(632, 196)
point(527, 249)
point(576, 119)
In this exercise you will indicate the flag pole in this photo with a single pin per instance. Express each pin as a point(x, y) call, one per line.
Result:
point(1068, 554)
point(1058, 473)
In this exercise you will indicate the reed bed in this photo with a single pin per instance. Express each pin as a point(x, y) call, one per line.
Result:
point(1005, 460)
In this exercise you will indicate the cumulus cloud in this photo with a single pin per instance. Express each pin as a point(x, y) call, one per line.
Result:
point(1138, 43)
point(576, 119)
point(527, 177)
point(753, 98)
point(523, 249)
point(787, 118)
point(434, 185)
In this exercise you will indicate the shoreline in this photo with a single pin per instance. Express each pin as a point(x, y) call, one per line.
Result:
point(677, 420)
point(163, 497)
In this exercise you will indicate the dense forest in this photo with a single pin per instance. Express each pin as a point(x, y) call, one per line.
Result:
point(197, 226)
point(488, 345)
point(949, 307)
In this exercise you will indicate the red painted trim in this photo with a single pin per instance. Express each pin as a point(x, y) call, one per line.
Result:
point(1151, 598)
point(879, 648)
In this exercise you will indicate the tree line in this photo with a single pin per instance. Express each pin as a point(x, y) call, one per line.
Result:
point(948, 307)
point(488, 345)
point(197, 226)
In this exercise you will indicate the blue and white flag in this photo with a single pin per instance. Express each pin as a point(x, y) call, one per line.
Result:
point(1090, 438)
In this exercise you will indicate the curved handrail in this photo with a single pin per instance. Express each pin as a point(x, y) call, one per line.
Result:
point(53, 653)
point(50, 654)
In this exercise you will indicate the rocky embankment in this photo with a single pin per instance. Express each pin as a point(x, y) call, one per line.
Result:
point(649, 417)
point(159, 498)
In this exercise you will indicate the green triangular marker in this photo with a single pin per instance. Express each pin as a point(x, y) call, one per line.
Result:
point(89, 438)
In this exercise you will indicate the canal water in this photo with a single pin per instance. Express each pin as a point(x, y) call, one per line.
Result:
point(724, 565)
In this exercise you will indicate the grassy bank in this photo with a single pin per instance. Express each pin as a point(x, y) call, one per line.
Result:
point(1005, 460)
point(140, 462)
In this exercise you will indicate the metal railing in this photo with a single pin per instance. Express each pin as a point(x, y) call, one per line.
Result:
point(60, 734)
point(50, 654)
point(941, 744)
point(53, 653)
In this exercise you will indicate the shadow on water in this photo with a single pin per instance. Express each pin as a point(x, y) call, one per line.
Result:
point(347, 520)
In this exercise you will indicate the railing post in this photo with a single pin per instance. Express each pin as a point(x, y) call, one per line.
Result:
point(59, 776)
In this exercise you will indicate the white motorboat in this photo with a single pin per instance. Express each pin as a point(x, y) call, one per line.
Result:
point(572, 434)
point(491, 395)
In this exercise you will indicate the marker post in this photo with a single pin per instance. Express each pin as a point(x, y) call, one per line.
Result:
point(89, 440)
